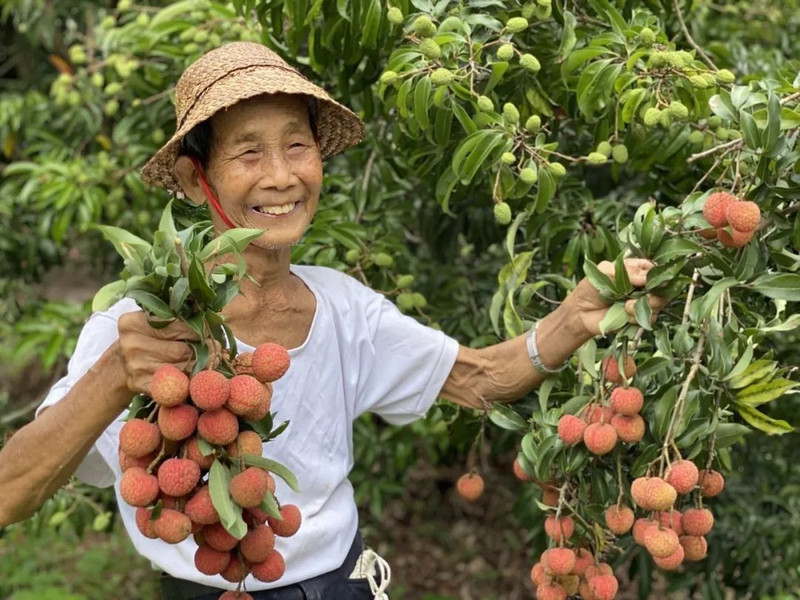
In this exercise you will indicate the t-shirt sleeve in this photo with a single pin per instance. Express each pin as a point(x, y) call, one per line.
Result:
point(406, 365)
point(95, 338)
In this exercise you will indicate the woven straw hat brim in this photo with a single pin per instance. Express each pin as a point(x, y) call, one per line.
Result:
point(338, 127)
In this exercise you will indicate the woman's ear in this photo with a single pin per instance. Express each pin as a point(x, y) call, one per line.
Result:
point(189, 179)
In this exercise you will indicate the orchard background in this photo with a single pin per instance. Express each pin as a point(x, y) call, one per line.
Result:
point(647, 106)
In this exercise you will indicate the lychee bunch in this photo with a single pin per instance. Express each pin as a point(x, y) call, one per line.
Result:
point(734, 221)
point(562, 572)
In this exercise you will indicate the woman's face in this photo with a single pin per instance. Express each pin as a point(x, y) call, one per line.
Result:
point(265, 167)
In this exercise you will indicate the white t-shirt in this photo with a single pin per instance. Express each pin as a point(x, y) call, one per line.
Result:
point(361, 355)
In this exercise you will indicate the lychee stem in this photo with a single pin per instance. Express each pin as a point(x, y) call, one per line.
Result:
point(621, 494)
point(689, 294)
point(160, 455)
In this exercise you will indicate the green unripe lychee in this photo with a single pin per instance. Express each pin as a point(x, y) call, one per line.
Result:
point(124, 5)
point(97, 80)
point(77, 55)
point(395, 16)
point(528, 10)
point(502, 213)
point(405, 281)
point(530, 63)
point(441, 76)
point(108, 22)
point(596, 158)
point(698, 82)
point(647, 37)
point(201, 37)
point(383, 260)
point(696, 137)
point(714, 121)
point(424, 27)
point(652, 116)
point(543, 12)
point(533, 124)
point(142, 19)
point(516, 24)
point(528, 175)
point(430, 49)
point(388, 77)
point(352, 256)
point(485, 104)
point(604, 148)
point(505, 52)
point(659, 59)
point(508, 158)
point(510, 113)
point(111, 108)
point(620, 154)
point(544, 2)
point(113, 88)
point(405, 301)
point(189, 48)
point(682, 59)
point(665, 118)
point(678, 110)
point(419, 300)
point(725, 76)
point(557, 169)
point(722, 134)
point(451, 23)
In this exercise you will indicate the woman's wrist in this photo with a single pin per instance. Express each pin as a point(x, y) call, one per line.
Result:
point(558, 336)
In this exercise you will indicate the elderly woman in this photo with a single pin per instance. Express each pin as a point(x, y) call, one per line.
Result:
point(250, 139)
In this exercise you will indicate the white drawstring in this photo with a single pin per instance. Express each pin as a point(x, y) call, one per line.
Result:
point(368, 566)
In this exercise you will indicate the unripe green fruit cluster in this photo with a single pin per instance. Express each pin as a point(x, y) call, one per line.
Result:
point(647, 37)
point(511, 113)
point(485, 104)
point(502, 213)
point(441, 76)
point(596, 158)
point(395, 16)
point(505, 52)
point(516, 24)
point(530, 63)
point(533, 124)
point(528, 175)
point(424, 27)
point(430, 49)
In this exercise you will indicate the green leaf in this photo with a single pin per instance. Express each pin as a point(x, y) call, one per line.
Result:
point(663, 412)
point(198, 282)
point(702, 307)
point(643, 313)
point(780, 286)
point(546, 190)
point(422, 97)
point(622, 282)
point(615, 318)
point(108, 295)
point(371, 24)
point(728, 434)
point(270, 506)
point(273, 467)
point(507, 418)
point(763, 422)
point(568, 37)
point(741, 364)
point(661, 274)
point(128, 246)
point(219, 481)
point(758, 370)
point(763, 392)
point(675, 248)
point(752, 138)
point(601, 282)
point(232, 240)
point(151, 304)
point(773, 130)
point(167, 223)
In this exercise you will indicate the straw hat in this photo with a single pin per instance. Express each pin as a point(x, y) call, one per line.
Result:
point(235, 72)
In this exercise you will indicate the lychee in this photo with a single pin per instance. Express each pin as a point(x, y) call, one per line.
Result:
point(209, 389)
point(290, 523)
point(672, 519)
point(209, 561)
point(219, 538)
point(611, 369)
point(218, 427)
point(246, 394)
point(172, 526)
point(619, 519)
point(600, 438)
point(550, 496)
point(470, 486)
point(235, 595)
point(697, 521)
point(733, 238)
point(247, 442)
point(711, 483)
point(137, 487)
point(550, 591)
point(178, 476)
point(743, 216)
point(236, 570)
point(583, 560)
point(660, 542)
point(626, 400)
point(257, 544)
point(260, 410)
point(255, 516)
point(178, 422)
point(570, 429)
point(144, 523)
point(603, 587)
point(248, 487)
point(560, 561)
point(520, 473)
point(715, 207)
point(653, 493)
point(169, 386)
point(671, 562)
point(193, 453)
point(597, 413)
point(695, 547)
point(683, 476)
point(200, 509)
point(559, 528)
point(569, 583)
point(630, 429)
point(639, 527)
point(597, 570)
point(139, 438)
point(243, 364)
point(126, 462)
point(537, 573)
point(270, 569)
point(270, 362)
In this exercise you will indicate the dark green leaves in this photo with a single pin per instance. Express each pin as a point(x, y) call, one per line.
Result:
point(219, 480)
point(273, 467)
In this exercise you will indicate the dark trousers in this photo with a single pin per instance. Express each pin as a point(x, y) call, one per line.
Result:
point(334, 585)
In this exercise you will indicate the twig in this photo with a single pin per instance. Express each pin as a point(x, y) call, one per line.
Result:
point(736, 143)
point(688, 305)
point(790, 97)
point(689, 38)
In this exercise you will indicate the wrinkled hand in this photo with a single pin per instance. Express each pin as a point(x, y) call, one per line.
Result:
point(588, 306)
point(143, 349)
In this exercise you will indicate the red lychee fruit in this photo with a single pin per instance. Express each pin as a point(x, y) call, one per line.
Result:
point(193, 453)
point(246, 393)
point(126, 462)
point(260, 410)
point(653, 493)
point(630, 429)
point(270, 569)
point(257, 544)
point(626, 400)
point(144, 524)
point(178, 422)
point(639, 527)
point(209, 561)
point(672, 519)
point(671, 562)
point(560, 561)
point(600, 438)
point(583, 560)
point(248, 487)
point(290, 523)
point(619, 519)
point(603, 587)
point(597, 570)
point(570, 429)
point(219, 427)
point(270, 362)
point(247, 442)
point(611, 369)
point(559, 529)
point(660, 542)
point(733, 238)
point(169, 386)
point(715, 207)
point(243, 364)
point(255, 516)
point(138, 438)
point(519, 471)
point(236, 570)
point(695, 547)
point(209, 389)
point(137, 487)
point(537, 573)
point(597, 413)
point(470, 486)
point(697, 521)
point(200, 509)
point(172, 526)
point(683, 476)
point(550, 496)
point(235, 595)
point(550, 591)
point(743, 216)
point(217, 537)
point(711, 483)
point(178, 476)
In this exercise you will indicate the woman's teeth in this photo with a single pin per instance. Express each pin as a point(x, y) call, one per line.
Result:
point(276, 210)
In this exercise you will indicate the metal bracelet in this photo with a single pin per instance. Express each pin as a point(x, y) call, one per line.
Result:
point(533, 354)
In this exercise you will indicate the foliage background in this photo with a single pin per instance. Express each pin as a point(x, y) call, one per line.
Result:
point(85, 100)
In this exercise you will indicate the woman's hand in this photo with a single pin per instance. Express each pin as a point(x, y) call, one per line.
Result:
point(587, 306)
